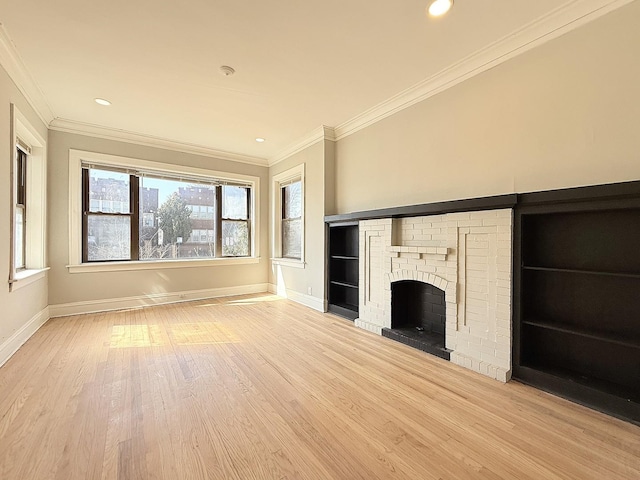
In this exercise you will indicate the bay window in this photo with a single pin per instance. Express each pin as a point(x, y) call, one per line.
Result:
point(143, 212)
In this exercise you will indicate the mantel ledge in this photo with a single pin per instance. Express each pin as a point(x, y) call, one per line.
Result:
point(423, 250)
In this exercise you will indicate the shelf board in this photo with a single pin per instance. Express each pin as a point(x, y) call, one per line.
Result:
point(606, 397)
point(583, 332)
point(586, 272)
point(343, 284)
point(344, 257)
point(345, 310)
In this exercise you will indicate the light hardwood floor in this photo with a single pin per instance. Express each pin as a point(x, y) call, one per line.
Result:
point(257, 387)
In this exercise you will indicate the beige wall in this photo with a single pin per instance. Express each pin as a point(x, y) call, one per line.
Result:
point(564, 114)
point(19, 306)
point(561, 115)
point(298, 280)
point(68, 287)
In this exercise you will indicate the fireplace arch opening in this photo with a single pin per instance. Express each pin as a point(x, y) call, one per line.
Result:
point(418, 316)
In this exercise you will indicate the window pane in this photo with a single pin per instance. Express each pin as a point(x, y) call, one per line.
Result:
point(108, 191)
point(292, 238)
point(19, 239)
point(21, 178)
point(172, 215)
point(235, 238)
point(293, 200)
point(109, 238)
point(234, 203)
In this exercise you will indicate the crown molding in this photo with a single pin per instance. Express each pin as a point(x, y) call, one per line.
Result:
point(323, 132)
point(552, 25)
point(12, 62)
point(107, 133)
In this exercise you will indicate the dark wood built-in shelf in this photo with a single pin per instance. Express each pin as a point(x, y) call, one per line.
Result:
point(585, 332)
point(577, 295)
point(343, 284)
point(343, 269)
point(585, 272)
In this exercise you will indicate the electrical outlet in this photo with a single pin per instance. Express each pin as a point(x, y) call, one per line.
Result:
point(309, 291)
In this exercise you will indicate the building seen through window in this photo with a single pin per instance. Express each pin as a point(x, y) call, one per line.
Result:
point(133, 217)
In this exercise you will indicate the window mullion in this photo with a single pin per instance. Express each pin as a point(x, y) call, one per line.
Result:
point(85, 215)
point(249, 213)
point(134, 210)
point(218, 222)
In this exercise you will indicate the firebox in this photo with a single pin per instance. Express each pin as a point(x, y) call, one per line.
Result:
point(418, 316)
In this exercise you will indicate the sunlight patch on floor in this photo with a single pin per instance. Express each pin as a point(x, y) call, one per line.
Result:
point(244, 301)
point(127, 336)
point(194, 334)
point(183, 334)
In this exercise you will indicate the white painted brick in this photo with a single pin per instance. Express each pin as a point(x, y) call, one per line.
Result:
point(470, 223)
point(478, 230)
point(476, 288)
point(416, 261)
point(496, 221)
point(504, 260)
point(504, 245)
point(503, 268)
point(504, 356)
point(458, 216)
point(503, 299)
point(485, 214)
point(477, 260)
point(502, 376)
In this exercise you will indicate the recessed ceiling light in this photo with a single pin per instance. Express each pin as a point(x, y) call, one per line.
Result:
point(440, 7)
point(102, 101)
point(259, 139)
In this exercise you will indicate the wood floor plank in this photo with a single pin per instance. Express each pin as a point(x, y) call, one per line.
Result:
point(257, 387)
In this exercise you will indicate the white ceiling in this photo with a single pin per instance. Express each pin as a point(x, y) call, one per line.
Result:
point(299, 64)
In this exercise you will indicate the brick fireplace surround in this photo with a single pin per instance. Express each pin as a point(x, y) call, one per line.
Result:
point(469, 256)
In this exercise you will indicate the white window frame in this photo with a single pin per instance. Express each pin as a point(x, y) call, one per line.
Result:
point(279, 181)
point(36, 202)
point(76, 159)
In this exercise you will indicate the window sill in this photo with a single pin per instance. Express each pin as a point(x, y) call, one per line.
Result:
point(288, 262)
point(27, 277)
point(157, 265)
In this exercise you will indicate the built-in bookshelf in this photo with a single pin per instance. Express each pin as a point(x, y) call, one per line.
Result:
point(343, 269)
point(577, 301)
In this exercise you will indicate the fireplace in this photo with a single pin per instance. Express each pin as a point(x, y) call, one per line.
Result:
point(463, 256)
point(418, 317)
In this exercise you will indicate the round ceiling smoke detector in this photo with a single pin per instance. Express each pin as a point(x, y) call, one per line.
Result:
point(227, 71)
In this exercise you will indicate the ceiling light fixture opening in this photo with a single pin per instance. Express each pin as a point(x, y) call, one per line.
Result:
point(259, 139)
point(440, 7)
point(102, 101)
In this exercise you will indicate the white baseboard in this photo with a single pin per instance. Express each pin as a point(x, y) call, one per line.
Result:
point(307, 300)
point(15, 341)
point(105, 305)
